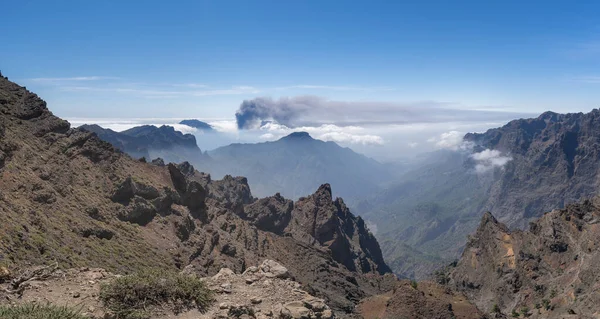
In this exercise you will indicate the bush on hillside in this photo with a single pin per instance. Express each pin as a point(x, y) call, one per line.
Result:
point(131, 296)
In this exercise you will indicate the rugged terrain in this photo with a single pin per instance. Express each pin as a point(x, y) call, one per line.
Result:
point(423, 300)
point(548, 271)
point(68, 197)
point(553, 161)
point(262, 291)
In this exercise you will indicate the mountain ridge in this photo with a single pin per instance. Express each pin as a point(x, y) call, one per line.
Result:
point(296, 163)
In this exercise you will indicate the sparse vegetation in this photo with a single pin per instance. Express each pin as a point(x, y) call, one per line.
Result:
point(525, 311)
point(33, 311)
point(131, 296)
point(414, 284)
point(514, 314)
point(495, 309)
point(546, 304)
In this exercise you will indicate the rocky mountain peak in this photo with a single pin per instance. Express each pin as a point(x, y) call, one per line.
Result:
point(298, 136)
point(202, 126)
point(323, 194)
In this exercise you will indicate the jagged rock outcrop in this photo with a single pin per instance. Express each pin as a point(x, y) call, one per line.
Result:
point(271, 214)
point(67, 196)
point(332, 225)
point(549, 271)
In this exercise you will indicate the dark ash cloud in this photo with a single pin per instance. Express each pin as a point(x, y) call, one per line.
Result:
point(313, 111)
point(284, 111)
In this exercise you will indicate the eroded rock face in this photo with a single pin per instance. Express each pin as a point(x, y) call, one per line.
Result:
point(552, 269)
point(317, 218)
point(554, 163)
point(271, 214)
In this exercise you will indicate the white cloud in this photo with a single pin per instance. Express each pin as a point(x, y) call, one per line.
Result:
point(371, 226)
point(326, 132)
point(489, 159)
point(267, 136)
point(184, 128)
point(224, 126)
point(413, 144)
point(450, 140)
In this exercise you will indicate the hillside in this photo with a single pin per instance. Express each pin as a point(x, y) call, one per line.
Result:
point(550, 269)
point(69, 197)
point(294, 165)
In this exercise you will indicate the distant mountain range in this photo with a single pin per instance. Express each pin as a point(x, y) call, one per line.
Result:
point(547, 162)
point(294, 164)
point(152, 142)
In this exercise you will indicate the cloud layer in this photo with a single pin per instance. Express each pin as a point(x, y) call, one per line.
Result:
point(326, 132)
point(489, 159)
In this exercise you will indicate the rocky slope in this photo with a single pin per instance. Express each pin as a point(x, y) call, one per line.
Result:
point(67, 196)
point(152, 142)
point(554, 162)
point(263, 291)
point(425, 300)
point(549, 271)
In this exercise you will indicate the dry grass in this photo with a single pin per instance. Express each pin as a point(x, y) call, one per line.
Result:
point(33, 311)
point(133, 296)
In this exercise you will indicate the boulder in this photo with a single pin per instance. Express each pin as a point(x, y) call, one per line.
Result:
point(273, 269)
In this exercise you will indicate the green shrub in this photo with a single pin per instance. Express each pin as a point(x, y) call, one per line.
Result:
point(33, 311)
point(495, 308)
point(514, 314)
point(131, 296)
point(546, 304)
point(414, 284)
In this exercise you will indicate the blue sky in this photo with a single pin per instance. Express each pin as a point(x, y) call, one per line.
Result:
point(159, 59)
